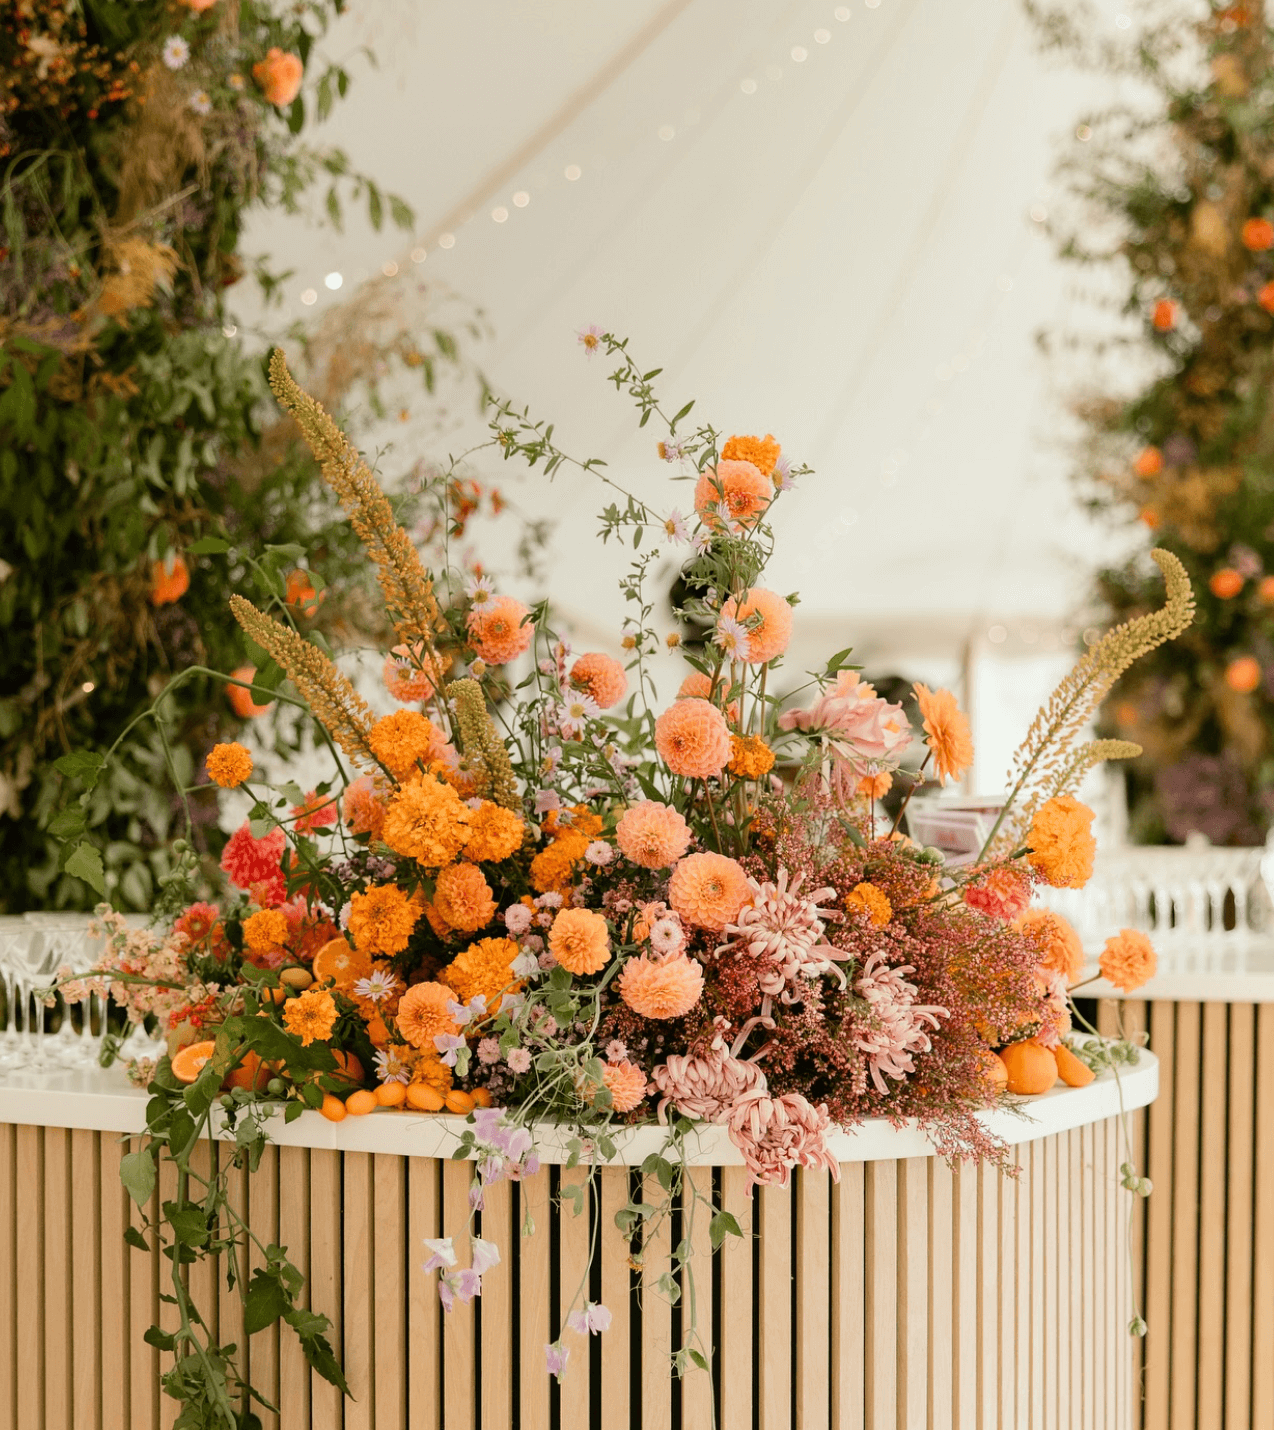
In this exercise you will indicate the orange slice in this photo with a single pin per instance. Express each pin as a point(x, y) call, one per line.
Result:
point(337, 962)
point(1073, 1071)
point(189, 1062)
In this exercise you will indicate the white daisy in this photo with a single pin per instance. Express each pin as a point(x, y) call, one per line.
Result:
point(481, 591)
point(675, 528)
point(732, 637)
point(575, 712)
point(377, 986)
point(200, 102)
point(391, 1068)
point(175, 52)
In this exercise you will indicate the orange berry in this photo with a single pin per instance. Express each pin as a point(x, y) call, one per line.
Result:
point(1226, 583)
point(189, 1062)
point(391, 1094)
point(1070, 1069)
point(1148, 516)
point(240, 698)
point(1243, 674)
point(1149, 462)
point(424, 1098)
point(1031, 1068)
point(360, 1103)
point(333, 1108)
point(458, 1101)
point(1258, 234)
point(481, 1097)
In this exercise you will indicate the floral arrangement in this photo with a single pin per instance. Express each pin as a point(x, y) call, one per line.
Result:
point(1172, 196)
point(536, 892)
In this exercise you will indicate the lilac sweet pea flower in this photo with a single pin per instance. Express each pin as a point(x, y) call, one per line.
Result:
point(555, 1359)
point(593, 1319)
point(442, 1253)
point(448, 1045)
point(486, 1255)
point(460, 1286)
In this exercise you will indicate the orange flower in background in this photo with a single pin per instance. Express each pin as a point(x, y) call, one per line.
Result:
point(1164, 316)
point(266, 931)
point(652, 834)
point(1226, 583)
point(1265, 591)
point(402, 675)
point(300, 593)
point(279, 76)
point(708, 890)
point(495, 833)
point(868, 899)
point(735, 491)
point(696, 687)
point(485, 968)
point(499, 631)
point(402, 740)
point(580, 940)
point(1243, 675)
point(876, 786)
point(661, 988)
point(241, 701)
point(1060, 948)
point(1266, 297)
point(693, 739)
point(318, 811)
point(427, 821)
point(1257, 234)
point(750, 757)
point(600, 676)
point(364, 810)
point(228, 765)
point(1061, 843)
point(1149, 462)
point(462, 897)
point(199, 6)
point(946, 732)
point(311, 1017)
point(1149, 518)
point(1128, 961)
point(762, 452)
point(422, 1014)
point(381, 920)
point(169, 581)
point(768, 619)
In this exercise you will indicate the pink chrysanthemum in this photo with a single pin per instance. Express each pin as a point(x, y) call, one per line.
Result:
point(708, 890)
point(776, 1134)
point(600, 676)
point(898, 1024)
point(255, 865)
point(499, 632)
point(661, 988)
point(784, 930)
point(652, 834)
point(1003, 893)
point(767, 620)
point(693, 739)
point(705, 1088)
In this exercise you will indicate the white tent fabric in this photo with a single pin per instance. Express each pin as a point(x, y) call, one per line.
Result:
point(817, 219)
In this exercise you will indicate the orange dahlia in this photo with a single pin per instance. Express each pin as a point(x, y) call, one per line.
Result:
point(580, 940)
point(1128, 961)
point(422, 1014)
point(767, 618)
point(1059, 945)
point(499, 631)
point(661, 989)
point(626, 1084)
point(1061, 844)
point(403, 676)
point(946, 732)
point(364, 811)
point(708, 890)
point(600, 676)
point(735, 491)
point(693, 739)
point(652, 834)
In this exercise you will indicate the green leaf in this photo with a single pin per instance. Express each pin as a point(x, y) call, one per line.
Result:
point(85, 863)
point(723, 1224)
point(137, 1172)
point(161, 1340)
point(265, 1302)
point(208, 546)
point(293, 1111)
point(134, 1238)
point(67, 823)
point(83, 765)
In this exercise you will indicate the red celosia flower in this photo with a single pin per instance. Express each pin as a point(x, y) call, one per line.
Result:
point(256, 865)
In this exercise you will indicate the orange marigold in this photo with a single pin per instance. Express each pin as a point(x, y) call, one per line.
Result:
point(228, 765)
point(363, 807)
point(381, 921)
point(499, 632)
point(311, 1017)
point(708, 890)
point(580, 940)
point(1128, 961)
point(463, 898)
point(266, 931)
point(1061, 843)
point(422, 1014)
point(402, 740)
point(655, 988)
point(750, 757)
point(946, 732)
point(552, 868)
point(485, 968)
point(876, 786)
point(1226, 583)
point(495, 833)
point(1060, 948)
point(768, 620)
point(600, 676)
point(762, 452)
point(873, 902)
point(693, 739)
point(735, 491)
point(427, 821)
point(652, 834)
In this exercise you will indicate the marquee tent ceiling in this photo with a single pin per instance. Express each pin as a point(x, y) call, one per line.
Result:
point(818, 226)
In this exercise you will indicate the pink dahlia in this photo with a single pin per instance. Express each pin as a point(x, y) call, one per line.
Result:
point(784, 931)
point(661, 987)
point(256, 865)
point(708, 890)
point(776, 1134)
point(767, 621)
point(897, 1025)
point(863, 734)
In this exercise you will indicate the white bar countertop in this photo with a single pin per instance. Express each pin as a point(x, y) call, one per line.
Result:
point(1242, 971)
point(104, 1101)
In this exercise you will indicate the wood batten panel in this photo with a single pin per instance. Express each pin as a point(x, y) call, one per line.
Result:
point(1040, 1329)
point(496, 1327)
point(534, 1302)
point(1239, 1209)
point(424, 1341)
point(737, 1300)
point(913, 1290)
point(358, 1288)
point(613, 1251)
point(29, 1261)
point(1007, 1189)
point(389, 1271)
point(812, 1191)
point(1185, 1221)
point(8, 1277)
point(573, 1244)
point(294, 1236)
point(942, 1226)
point(1160, 1157)
point(1210, 1341)
point(86, 1267)
point(656, 1315)
point(988, 1297)
point(880, 1367)
point(143, 1311)
point(263, 1214)
point(696, 1284)
point(115, 1271)
point(326, 1408)
point(459, 1326)
point(1049, 1301)
point(1263, 1227)
point(964, 1278)
point(169, 1319)
point(58, 1332)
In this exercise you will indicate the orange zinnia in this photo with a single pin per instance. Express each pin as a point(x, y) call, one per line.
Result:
point(946, 732)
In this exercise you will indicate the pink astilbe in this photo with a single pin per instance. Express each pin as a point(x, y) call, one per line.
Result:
point(898, 1024)
point(705, 1088)
point(783, 932)
point(776, 1134)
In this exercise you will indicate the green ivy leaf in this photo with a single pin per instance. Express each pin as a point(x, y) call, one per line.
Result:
point(85, 862)
point(723, 1224)
point(137, 1172)
point(134, 1238)
point(265, 1302)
